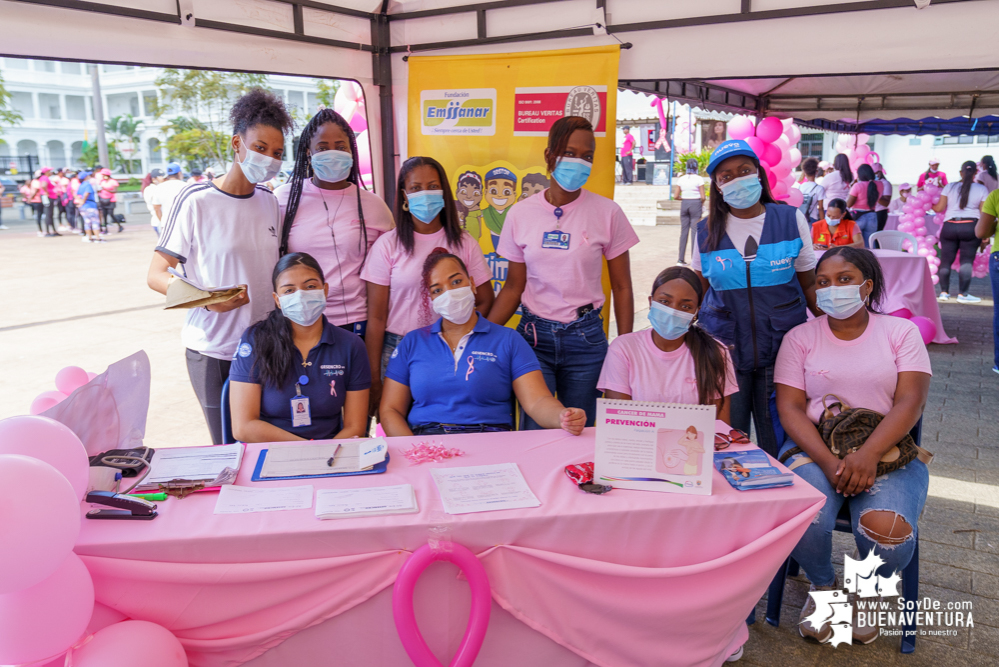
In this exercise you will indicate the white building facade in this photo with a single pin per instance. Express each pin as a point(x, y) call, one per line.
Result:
point(56, 102)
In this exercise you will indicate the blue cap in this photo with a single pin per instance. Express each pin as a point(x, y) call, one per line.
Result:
point(84, 173)
point(173, 168)
point(501, 173)
point(727, 149)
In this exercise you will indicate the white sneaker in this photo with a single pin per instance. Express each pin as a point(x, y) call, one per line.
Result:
point(735, 657)
point(967, 298)
point(41, 234)
point(943, 296)
point(86, 239)
point(4, 227)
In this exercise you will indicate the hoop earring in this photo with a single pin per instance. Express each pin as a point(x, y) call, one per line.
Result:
point(405, 205)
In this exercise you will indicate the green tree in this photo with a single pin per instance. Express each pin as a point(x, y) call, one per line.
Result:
point(206, 96)
point(124, 130)
point(326, 91)
point(91, 157)
point(8, 116)
point(190, 142)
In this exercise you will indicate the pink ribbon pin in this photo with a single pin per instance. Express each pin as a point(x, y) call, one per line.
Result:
point(332, 387)
point(471, 367)
point(722, 260)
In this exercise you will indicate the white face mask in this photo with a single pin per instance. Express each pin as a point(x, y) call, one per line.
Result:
point(456, 305)
point(303, 306)
point(258, 167)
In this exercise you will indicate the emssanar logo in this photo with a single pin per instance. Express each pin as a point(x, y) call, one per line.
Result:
point(462, 111)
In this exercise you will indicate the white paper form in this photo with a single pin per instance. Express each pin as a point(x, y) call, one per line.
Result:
point(341, 503)
point(246, 499)
point(294, 460)
point(190, 281)
point(483, 488)
point(194, 463)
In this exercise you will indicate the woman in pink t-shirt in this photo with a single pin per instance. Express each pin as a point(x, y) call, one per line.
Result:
point(674, 361)
point(328, 214)
point(866, 360)
point(426, 219)
point(864, 197)
point(556, 242)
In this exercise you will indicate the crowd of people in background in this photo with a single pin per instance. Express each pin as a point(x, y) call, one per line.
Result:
point(54, 197)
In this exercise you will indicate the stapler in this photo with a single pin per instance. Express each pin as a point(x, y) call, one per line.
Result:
point(129, 508)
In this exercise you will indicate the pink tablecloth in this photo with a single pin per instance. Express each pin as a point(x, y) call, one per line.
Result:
point(627, 578)
point(909, 285)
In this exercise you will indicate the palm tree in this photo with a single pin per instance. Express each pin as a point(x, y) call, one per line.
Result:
point(125, 130)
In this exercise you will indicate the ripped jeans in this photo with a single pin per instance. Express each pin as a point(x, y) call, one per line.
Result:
point(902, 491)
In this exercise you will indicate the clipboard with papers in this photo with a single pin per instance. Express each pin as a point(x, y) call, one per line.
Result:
point(184, 292)
point(322, 459)
point(193, 468)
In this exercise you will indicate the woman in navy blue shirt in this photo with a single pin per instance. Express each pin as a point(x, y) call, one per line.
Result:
point(295, 376)
point(461, 373)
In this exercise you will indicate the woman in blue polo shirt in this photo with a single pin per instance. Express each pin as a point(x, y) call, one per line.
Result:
point(757, 264)
point(295, 376)
point(461, 373)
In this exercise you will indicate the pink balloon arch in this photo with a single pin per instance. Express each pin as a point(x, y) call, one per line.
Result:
point(405, 618)
point(774, 141)
point(349, 103)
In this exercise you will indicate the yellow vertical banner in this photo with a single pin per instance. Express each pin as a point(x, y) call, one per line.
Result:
point(486, 118)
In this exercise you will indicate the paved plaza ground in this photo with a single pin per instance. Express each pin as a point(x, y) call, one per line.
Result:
point(63, 303)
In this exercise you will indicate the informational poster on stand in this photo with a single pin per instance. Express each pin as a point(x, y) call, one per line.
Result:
point(655, 446)
point(486, 119)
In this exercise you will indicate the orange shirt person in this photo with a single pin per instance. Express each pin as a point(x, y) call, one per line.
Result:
point(837, 229)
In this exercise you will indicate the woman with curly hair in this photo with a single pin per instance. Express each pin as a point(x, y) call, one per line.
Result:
point(327, 213)
point(225, 232)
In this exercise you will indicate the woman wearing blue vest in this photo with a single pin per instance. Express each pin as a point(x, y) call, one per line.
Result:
point(758, 266)
point(462, 373)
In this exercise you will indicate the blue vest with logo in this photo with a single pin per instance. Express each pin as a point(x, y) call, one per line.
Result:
point(749, 306)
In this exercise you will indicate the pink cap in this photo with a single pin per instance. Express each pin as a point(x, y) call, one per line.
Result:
point(904, 186)
point(877, 167)
point(46, 170)
point(934, 160)
point(823, 165)
point(105, 172)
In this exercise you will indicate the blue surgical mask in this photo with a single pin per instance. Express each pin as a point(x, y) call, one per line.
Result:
point(839, 301)
point(303, 306)
point(332, 166)
point(426, 204)
point(571, 173)
point(669, 323)
point(742, 192)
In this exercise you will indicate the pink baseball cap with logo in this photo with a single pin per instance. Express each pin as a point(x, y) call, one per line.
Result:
point(105, 172)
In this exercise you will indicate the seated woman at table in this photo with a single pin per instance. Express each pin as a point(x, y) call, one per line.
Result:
point(867, 360)
point(461, 373)
point(675, 361)
point(837, 229)
point(295, 376)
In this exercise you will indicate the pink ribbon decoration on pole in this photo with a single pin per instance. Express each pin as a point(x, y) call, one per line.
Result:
point(405, 618)
point(663, 140)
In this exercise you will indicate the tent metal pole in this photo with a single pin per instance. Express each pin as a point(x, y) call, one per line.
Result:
point(381, 67)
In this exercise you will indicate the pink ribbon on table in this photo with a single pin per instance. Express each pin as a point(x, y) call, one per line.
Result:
point(332, 387)
point(471, 367)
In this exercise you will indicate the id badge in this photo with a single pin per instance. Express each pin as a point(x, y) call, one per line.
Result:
point(300, 414)
point(556, 240)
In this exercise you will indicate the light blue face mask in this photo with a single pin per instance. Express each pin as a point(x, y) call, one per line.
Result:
point(303, 306)
point(669, 323)
point(571, 173)
point(332, 166)
point(839, 301)
point(426, 204)
point(742, 192)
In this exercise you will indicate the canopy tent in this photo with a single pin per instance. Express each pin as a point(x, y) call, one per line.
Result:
point(724, 55)
point(976, 125)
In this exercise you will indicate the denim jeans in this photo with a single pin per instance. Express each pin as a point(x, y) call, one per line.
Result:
point(571, 356)
point(389, 343)
point(753, 401)
point(436, 428)
point(868, 223)
point(994, 277)
point(902, 491)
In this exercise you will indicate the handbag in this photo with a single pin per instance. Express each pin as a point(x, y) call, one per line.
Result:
point(846, 431)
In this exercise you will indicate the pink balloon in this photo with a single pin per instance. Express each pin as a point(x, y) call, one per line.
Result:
point(935, 199)
point(771, 180)
point(757, 145)
point(921, 231)
point(769, 129)
point(405, 618)
point(795, 156)
point(50, 441)
point(131, 643)
point(933, 269)
point(359, 122)
point(927, 329)
point(781, 170)
point(70, 379)
point(872, 158)
point(44, 620)
point(740, 127)
point(794, 197)
point(771, 155)
point(863, 138)
point(348, 97)
point(904, 313)
point(364, 154)
point(794, 133)
point(779, 191)
point(91, 376)
point(39, 523)
point(935, 279)
point(782, 143)
point(45, 401)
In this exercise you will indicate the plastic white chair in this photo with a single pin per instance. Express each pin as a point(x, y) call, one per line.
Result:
point(892, 239)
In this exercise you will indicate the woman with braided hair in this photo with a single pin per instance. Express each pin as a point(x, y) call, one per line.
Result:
point(327, 214)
